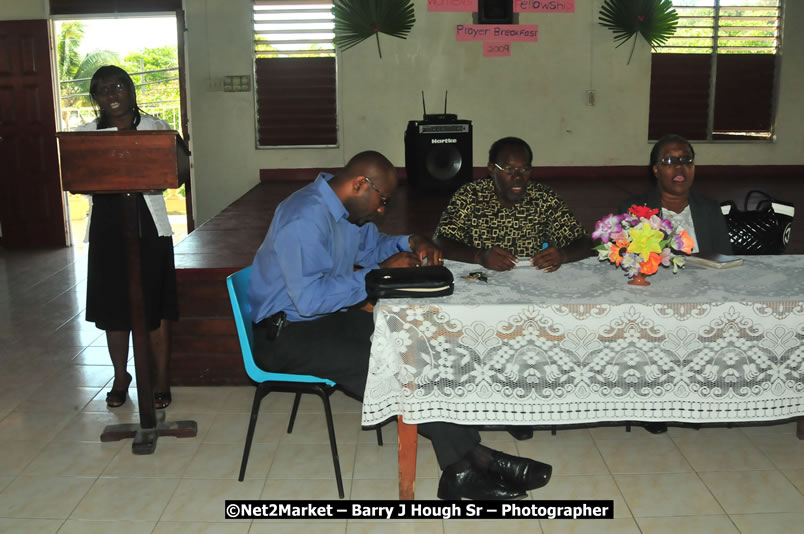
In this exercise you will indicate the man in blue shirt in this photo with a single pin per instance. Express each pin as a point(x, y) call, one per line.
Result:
point(311, 270)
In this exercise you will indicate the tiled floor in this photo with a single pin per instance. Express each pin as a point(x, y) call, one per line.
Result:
point(56, 476)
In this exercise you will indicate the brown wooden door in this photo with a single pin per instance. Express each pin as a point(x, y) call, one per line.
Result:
point(31, 199)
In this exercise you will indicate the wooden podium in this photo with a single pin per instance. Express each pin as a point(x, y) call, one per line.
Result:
point(130, 162)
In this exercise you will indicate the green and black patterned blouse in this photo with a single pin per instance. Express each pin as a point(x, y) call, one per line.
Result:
point(476, 218)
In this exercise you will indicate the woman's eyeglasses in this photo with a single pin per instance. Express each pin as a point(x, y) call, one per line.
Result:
point(672, 161)
point(384, 199)
point(515, 171)
point(109, 89)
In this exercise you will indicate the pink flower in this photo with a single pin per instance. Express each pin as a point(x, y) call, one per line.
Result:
point(606, 226)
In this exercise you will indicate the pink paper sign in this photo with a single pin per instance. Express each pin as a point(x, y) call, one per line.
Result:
point(452, 5)
point(496, 49)
point(497, 32)
point(544, 6)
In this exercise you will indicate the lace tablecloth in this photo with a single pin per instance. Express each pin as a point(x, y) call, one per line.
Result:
point(581, 345)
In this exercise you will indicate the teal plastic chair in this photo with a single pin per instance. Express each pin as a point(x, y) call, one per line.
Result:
point(237, 284)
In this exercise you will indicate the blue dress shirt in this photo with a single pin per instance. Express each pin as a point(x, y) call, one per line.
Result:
point(305, 265)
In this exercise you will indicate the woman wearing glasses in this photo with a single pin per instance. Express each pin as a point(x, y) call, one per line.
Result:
point(672, 163)
point(115, 102)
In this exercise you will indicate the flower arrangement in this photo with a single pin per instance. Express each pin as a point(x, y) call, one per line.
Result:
point(639, 241)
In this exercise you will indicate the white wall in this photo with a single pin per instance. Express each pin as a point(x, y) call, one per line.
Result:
point(538, 93)
point(23, 9)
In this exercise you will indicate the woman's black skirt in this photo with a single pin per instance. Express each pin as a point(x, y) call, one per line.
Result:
point(107, 277)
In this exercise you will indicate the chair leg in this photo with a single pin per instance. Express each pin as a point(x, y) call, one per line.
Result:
point(628, 426)
point(379, 436)
point(261, 391)
point(553, 430)
point(331, 429)
point(293, 412)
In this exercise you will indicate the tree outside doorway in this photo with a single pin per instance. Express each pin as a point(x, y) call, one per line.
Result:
point(154, 68)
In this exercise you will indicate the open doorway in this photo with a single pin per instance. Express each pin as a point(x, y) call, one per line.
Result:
point(145, 47)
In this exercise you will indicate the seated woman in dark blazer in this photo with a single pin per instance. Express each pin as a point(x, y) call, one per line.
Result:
point(672, 163)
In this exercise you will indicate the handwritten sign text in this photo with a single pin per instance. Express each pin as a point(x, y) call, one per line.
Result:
point(452, 5)
point(497, 32)
point(544, 6)
point(496, 49)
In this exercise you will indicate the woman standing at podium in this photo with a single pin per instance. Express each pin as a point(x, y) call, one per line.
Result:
point(115, 100)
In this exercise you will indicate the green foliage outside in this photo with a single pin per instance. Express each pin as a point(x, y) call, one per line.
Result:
point(154, 71)
point(754, 25)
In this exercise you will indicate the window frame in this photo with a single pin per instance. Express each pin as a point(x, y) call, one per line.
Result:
point(712, 133)
point(333, 101)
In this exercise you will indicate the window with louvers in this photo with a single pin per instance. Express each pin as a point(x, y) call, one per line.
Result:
point(295, 73)
point(716, 78)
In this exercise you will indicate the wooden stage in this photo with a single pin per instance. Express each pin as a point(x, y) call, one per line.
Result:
point(205, 346)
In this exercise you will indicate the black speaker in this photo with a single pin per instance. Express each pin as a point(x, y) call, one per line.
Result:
point(438, 155)
point(495, 12)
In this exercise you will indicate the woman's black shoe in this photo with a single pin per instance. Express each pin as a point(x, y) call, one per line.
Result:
point(462, 480)
point(656, 428)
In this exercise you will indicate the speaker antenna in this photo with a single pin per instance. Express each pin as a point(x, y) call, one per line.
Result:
point(424, 106)
point(445, 101)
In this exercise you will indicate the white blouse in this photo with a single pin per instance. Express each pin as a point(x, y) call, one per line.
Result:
point(683, 220)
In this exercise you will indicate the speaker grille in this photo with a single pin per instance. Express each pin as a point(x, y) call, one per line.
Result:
point(443, 162)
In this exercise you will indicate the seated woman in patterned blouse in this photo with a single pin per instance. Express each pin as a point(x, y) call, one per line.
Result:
point(503, 217)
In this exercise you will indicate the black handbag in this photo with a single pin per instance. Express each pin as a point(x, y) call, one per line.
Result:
point(407, 282)
point(763, 230)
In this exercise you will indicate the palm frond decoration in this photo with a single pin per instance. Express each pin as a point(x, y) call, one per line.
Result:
point(358, 20)
point(655, 20)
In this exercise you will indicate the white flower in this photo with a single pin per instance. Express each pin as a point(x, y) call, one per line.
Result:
point(401, 339)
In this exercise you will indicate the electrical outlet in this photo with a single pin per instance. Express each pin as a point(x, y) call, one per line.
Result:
point(590, 97)
point(237, 84)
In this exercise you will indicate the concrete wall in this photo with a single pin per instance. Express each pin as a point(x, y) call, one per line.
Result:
point(538, 93)
point(23, 9)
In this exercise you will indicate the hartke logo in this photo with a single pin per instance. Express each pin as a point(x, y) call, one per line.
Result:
point(442, 141)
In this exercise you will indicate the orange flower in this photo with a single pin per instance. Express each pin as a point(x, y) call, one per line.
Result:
point(615, 255)
point(651, 265)
point(688, 242)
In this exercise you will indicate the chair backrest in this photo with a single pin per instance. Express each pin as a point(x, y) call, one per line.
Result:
point(237, 284)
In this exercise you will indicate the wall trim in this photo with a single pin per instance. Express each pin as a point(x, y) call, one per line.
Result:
point(604, 172)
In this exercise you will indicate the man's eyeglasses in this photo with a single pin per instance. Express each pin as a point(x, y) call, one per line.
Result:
point(515, 171)
point(672, 161)
point(109, 89)
point(384, 199)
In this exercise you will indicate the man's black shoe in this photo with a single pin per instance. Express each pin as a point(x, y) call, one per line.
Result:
point(521, 433)
point(462, 480)
point(656, 428)
point(518, 473)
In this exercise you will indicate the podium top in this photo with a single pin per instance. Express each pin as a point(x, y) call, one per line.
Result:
point(122, 161)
